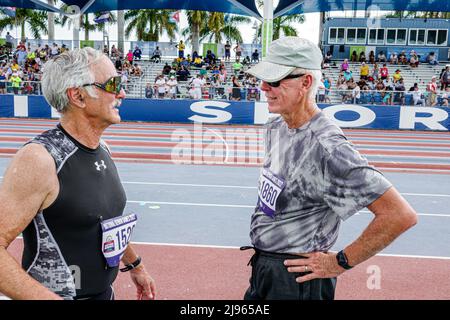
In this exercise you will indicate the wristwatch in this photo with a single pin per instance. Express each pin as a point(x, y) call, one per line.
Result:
point(342, 260)
point(131, 266)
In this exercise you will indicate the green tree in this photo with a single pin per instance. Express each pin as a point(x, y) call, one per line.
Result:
point(35, 20)
point(196, 19)
point(215, 27)
point(86, 22)
point(221, 26)
point(150, 24)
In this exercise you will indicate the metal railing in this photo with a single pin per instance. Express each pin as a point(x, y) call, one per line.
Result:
point(138, 89)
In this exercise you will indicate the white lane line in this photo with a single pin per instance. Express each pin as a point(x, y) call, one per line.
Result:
point(188, 185)
point(233, 247)
point(191, 204)
point(144, 202)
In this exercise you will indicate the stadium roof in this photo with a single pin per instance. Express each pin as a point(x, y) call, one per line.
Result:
point(243, 7)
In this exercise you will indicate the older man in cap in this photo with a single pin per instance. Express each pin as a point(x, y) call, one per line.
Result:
point(312, 178)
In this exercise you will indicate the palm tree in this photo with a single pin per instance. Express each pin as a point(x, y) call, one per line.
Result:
point(196, 19)
point(35, 20)
point(150, 24)
point(221, 26)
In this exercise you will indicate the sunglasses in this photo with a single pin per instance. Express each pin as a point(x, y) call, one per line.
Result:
point(276, 84)
point(112, 85)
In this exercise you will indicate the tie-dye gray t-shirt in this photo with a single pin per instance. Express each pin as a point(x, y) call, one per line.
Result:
point(326, 180)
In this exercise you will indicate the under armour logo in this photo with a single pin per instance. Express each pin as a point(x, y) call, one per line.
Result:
point(100, 165)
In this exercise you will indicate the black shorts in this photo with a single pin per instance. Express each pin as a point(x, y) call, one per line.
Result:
point(108, 294)
point(270, 280)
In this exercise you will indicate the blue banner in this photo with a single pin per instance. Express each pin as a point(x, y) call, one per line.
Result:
point(236, 112)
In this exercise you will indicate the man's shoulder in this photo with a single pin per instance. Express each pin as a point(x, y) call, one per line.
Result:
point(327, 134)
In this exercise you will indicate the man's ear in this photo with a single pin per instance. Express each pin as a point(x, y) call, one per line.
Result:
point(307, 81)
point(76, 97)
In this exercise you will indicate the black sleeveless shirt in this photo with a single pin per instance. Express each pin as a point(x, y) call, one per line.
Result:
point(62, 245)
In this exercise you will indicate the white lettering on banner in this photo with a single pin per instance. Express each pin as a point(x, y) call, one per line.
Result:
point(366, 116)
point(408, 117)
point(202, 108)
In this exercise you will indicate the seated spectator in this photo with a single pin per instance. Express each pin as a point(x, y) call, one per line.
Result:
point(400, 92)
point(418, 97)
point(393, 59)
point(375, 72)
point(384, 72)
point(344, 65)
point(381, 57)
point(137, 70)
point(198, 63)
point(255, 56)
point(166, 69)
point(414, 60)
point(431, 59)
point(137, 53)
point(194, 55)
point(348, 75)
point(156, 56)
point(210, 57)
point(114, 51)
point(253, 92)
point(362, 56)
point(445, 97)
point(388, 85)
point(354, 57)
point(237, 67)
point(402, 59)
point(372, 57)
point(246, 61)
point(148, 91)
point(397, 76)
point(364, 71)
point(130, 56)
point(413, 87)
point(380, 85)
point(183, 74)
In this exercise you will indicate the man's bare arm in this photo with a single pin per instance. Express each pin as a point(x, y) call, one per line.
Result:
point(29, 185)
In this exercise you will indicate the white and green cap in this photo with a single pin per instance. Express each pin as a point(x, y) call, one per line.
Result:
point(286, 54)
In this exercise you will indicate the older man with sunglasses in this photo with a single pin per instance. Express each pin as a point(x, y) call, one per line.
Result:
point(63, 192)
point(312, 178)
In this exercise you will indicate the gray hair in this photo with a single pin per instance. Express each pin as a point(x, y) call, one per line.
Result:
point(316, 76)
point(70, 69)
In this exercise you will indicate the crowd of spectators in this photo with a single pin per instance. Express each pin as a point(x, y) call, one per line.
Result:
point(203, 77)
point(376, 85)
point(20, 67)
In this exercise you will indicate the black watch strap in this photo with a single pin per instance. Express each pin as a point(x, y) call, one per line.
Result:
point(131, 266)
point(342, 260)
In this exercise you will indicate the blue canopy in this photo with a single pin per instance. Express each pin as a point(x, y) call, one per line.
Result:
point(288, 7)
point(242, 7)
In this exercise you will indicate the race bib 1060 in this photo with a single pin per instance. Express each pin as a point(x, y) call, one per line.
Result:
point(116, 236)
point(269, 189)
